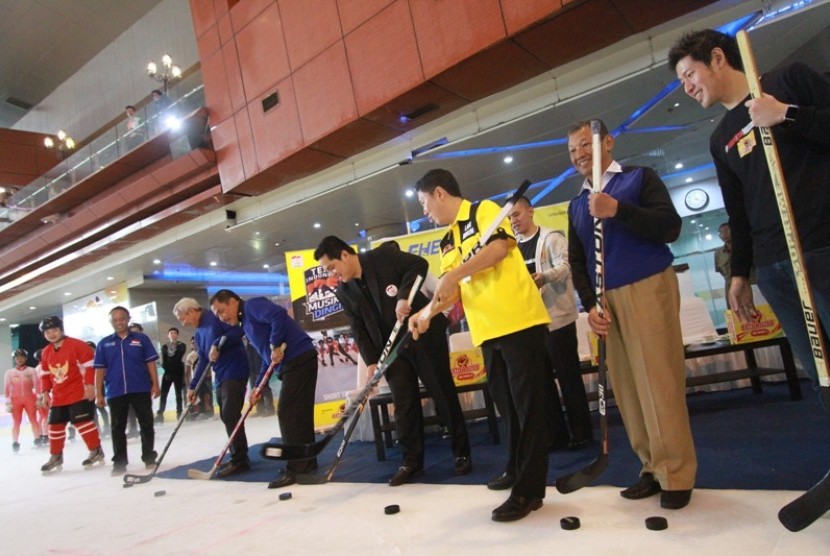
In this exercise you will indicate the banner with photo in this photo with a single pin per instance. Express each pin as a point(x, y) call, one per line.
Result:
point(319, 313)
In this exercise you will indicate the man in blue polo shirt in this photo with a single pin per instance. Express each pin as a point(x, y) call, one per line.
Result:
point(125, 362)
point(230, 370)
point(268, 326)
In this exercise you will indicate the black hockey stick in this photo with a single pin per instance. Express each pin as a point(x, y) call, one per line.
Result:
point(280, 451)
point(208, 475)
point(811, 505)
point(589, 473)
point(308, 479)
point(131, 479)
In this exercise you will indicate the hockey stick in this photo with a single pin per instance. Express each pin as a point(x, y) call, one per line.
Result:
point(308, 479)
point(586, 475)
point(208, 475)
point(280, 451)
point(804, 510)
point(130, 478)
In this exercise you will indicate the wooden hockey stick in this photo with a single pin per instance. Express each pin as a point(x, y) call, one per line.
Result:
point(804, 510)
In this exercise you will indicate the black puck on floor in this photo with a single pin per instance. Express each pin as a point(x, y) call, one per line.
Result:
point(159, 493)
point(391, 509)
point(127, 485)
point(569, 523)
point(656, 523)
point(285, 496)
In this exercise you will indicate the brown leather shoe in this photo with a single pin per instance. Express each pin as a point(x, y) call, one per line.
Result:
point(515, 508)
point(675, 499)
point(404, 474)
point(645, 487)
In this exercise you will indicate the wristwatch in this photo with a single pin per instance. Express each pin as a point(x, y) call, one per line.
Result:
point(792, 113)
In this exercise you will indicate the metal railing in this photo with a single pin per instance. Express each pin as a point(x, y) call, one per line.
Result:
point(103, 150)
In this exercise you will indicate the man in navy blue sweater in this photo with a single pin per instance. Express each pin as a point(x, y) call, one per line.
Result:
point(268, 326)
point(230, 369)
point(641, 321)
point(796, 108)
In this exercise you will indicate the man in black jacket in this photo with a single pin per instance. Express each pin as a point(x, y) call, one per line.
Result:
point(373, 291)
point(172, 359)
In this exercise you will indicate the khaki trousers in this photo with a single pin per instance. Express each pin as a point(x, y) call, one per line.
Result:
point(646, 367)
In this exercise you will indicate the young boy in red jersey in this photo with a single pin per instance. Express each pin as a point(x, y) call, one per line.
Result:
point(69, 380)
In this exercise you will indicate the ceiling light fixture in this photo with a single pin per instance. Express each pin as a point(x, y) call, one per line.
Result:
point(156, 261)
point(508, 159)
point(64, 144)
point(678, 166)
point(213, 263)
point(409, 193)
point(170, 72)
point(317, 225)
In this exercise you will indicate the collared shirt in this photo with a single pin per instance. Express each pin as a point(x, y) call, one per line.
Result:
point(125, 362)
point(613, 168)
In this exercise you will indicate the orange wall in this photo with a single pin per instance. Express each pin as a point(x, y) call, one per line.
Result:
point(23, 157)
point(345, 70)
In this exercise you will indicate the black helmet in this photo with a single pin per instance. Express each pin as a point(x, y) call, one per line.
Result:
point(50, 322)
point(91, 344)
point(20, 352)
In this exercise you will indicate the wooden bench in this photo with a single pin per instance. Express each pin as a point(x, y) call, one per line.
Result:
point(383, 426)
point(752, 371)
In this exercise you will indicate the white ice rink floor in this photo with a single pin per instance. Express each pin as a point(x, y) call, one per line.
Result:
point(80, 512)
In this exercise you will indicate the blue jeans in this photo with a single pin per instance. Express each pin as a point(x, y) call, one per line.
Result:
point(777, 283)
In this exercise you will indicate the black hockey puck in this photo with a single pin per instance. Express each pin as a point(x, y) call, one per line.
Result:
point(656, 523)
point(285, 496)
point(391, 509)
point(570, 523)
point(127, 485)
point(159, 493)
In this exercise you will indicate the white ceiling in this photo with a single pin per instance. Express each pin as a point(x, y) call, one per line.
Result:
point(286, 215)
point(43, 42)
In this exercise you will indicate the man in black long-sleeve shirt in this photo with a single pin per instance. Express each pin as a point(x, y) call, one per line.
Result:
point(796, 108)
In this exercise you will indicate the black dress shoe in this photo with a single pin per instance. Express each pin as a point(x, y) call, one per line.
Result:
point(645, 487)
point(404, 474)
point(284, 478)
point(463, 465)
point(675, 499)
point(516, 507)
point(502, 482)
point(234, 468)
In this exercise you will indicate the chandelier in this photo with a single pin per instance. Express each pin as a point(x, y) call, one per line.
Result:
point(168, 74)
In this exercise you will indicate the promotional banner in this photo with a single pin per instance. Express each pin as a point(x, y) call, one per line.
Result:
point(319, 313)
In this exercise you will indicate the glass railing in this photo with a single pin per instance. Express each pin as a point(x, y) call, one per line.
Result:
point(104, 150)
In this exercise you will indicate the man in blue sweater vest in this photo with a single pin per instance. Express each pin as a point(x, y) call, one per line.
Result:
point(641, 324)
point(268, 326)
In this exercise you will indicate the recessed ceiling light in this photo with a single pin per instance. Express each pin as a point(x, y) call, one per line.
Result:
point(213, 263)
point(15, 325)
point(362, 249)
point(689, 180)
point(678, 166)
point(277, 244)
point(2, 319)
point(265, 266)
point(32, 307)
point(112, 292)
point(409, 192)
point(357, 224)
point(67, 293)
point(708, 236)
point(156, 261)
point(110, 278)
point(256, 233)
point(676, 104)
point(317, 225)
point(508, 159)
point(693, 221)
